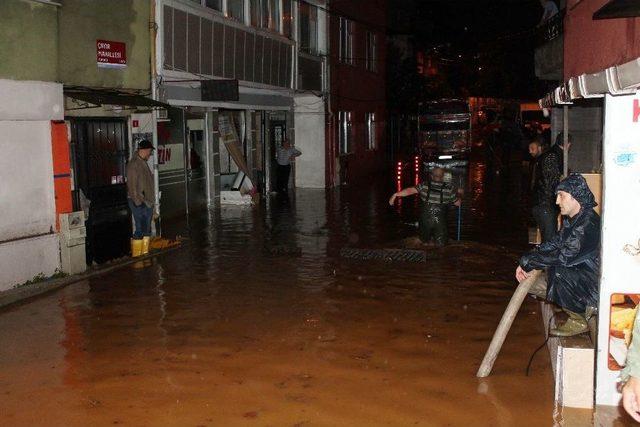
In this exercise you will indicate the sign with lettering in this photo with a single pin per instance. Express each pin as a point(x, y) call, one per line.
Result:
point(620, 265)
point(170, 157)
point(110, 54)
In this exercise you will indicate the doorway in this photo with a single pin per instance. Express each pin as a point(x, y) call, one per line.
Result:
point(99, 152)
point(277, 135)
point(196, 162)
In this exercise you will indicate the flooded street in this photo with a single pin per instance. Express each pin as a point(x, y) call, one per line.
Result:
point(259, 321)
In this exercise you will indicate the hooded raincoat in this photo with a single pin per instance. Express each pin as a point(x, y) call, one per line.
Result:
point(572, 258)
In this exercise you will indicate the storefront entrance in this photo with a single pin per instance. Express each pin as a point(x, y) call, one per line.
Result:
point(196, 162)
point(99, 151)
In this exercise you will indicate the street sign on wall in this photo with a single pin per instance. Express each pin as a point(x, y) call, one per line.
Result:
point(111, 54)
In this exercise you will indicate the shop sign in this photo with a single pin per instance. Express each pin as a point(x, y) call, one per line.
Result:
point(620, 264)
point(111, 54)
point(170, 157)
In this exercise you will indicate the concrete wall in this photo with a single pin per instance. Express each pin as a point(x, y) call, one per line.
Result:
point(82, 22)
point(585, 127)
point(28, 244)
point(310, 139)
point(590, 46)
point(28, 40)
point(50, 43)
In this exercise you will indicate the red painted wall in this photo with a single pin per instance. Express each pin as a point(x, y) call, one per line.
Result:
point(591, 46)
point(354, 88)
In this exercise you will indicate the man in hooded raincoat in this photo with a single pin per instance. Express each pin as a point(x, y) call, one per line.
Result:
point(572, 258)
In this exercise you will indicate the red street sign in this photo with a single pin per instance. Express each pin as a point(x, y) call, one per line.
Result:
point(111, 54)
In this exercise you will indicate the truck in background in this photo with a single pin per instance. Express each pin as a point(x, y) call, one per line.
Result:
point(444, 131)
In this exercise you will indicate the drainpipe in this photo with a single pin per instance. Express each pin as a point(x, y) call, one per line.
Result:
point(185, 155)
point(330, 150)
point(154, 115)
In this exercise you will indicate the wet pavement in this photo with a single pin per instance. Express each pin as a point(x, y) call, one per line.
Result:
point(259, 321)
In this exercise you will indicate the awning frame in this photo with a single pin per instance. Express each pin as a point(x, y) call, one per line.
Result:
point(100, 97)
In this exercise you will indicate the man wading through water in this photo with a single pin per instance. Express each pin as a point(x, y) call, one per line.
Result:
point(435, 197)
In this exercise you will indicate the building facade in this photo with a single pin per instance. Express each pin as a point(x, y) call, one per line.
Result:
point(356, 144)
point(66, 144)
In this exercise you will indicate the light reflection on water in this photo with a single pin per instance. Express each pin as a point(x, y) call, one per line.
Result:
point(258, 318)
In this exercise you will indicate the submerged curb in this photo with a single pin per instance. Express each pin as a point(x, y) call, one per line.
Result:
point(23, 293)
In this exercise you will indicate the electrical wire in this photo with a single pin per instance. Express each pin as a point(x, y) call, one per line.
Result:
point(541, 345)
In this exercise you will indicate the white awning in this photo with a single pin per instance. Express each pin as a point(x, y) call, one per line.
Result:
point(617, 80)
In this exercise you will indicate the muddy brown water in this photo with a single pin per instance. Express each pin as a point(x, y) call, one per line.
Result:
point(258, 321)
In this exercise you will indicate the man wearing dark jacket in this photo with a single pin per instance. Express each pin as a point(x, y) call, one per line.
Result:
point(571, 258)
point(141, 197)
point(545, 176)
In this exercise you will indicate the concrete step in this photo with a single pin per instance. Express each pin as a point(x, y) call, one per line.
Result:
point(572, 361)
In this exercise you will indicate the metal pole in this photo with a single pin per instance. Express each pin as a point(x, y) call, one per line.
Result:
point(565, 140)
point(185, 155)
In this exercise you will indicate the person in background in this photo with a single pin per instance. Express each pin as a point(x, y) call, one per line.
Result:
point(435, 197)
point(284, 156)
point(545, 176)
point(558, 148)
point(141, 197)
point(549, 10)
point(571, 258)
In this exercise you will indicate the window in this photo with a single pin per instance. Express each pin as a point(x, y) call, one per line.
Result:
point(371, 131)
point(345, 131)
point(308, 28)
point(274, 15)
point(266, 14)
point(214, 4)
point(235, 9)
point(346, 41)
point(287, 18)
point(371, 53)
point(256, 21)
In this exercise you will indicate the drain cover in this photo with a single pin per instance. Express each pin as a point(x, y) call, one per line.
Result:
point(406, 255)
point(277, 250)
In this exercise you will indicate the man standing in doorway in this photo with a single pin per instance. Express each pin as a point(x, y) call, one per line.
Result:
point(545, 176)
point(141, 197)
point(284, 156)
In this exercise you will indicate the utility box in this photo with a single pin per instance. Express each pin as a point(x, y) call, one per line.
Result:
point(73, 234)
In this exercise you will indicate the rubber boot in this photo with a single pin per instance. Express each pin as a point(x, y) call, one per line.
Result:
point(576, 324)
point(136, 248)
point(145, 244)
point(592, 321)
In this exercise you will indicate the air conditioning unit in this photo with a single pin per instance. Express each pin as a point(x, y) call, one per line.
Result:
point(163, 115)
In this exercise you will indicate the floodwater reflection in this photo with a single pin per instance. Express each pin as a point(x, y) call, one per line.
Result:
point(258, 321)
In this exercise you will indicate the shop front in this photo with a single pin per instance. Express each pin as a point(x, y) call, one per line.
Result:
point(609, 97)
point(104, 130)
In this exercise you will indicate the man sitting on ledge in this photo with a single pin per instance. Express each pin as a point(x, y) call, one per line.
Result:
point(572, 258)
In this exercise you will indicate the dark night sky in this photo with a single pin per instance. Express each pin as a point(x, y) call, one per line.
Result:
point(482, 45)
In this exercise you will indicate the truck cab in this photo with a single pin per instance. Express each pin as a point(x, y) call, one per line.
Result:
point(444, 130)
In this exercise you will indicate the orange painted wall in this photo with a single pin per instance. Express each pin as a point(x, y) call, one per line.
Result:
point(61, 169)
